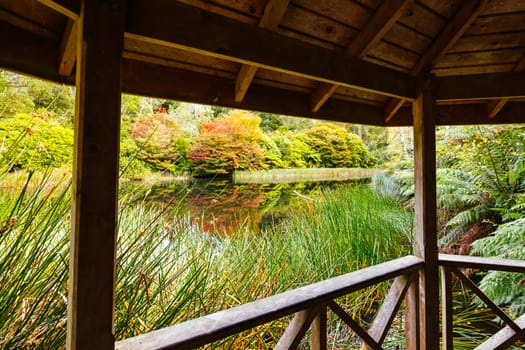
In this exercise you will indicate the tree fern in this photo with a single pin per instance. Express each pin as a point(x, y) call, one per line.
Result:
point(508, 242)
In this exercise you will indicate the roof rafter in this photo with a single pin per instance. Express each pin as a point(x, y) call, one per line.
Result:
point(68, 49)
point(448, 37)
point(185, 27)
point(172, 83)
point(69, 8)
point(272, 15)
point(376, 28)
point(494, 106)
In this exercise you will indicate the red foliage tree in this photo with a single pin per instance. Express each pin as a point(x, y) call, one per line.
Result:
point(226, 144)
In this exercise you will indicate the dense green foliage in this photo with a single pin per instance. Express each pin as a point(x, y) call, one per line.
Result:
point(173, 137)
point(481, 199)
point(336, 147)
point(41, 141)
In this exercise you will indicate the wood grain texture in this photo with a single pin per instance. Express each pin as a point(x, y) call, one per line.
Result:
point(356, 327)
point(388, 310)
point(68, 49)
point(447, 322)
point(446, 39)
point(484, 298)
point(379, 24)
point(477, 262)
point(272, 15)
point(296, 329)
point(69, 8)
point(202, 32)
point(95, 176)
point(204, 330)
point(480, 86)
point(425, 245)
point(505, 337)
point(319, 329)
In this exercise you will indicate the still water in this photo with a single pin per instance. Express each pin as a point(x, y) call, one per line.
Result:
point(223, 207)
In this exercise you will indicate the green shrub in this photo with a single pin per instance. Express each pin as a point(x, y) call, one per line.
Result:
point(40, 140)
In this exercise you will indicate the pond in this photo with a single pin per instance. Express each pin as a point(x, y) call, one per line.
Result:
point(223, 207)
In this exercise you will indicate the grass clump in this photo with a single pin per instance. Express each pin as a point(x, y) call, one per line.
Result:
point(168, 272)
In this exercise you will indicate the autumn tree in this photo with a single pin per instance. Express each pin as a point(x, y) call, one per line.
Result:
point(160, 140)
point(227, 143)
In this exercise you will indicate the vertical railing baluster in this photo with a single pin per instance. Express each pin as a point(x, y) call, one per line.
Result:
point(319, 330)
point(446, 309)
point(412, 315)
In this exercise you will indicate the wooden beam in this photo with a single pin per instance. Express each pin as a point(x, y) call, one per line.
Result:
point(296, 329)
point(188, 28)
point(27, 53)
point(204, 330)
point(480, 86)
point(447, 323)
point(25, 24)
point(356, 327)
point(68, 49)
point(412, 326)
point(484, 298)
point(494, 106)
point(505, 337)
point(448, 37)
point(272, 15)
point(468, 114)
point(478, 262)
point(170, 83)
point(386, 314)
point(69, 8)
point(319, 329)
point(382, 20)
point(425, 244)
point(95, 176)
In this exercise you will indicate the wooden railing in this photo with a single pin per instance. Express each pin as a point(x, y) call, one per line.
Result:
point(309, 304)
point(451, 264)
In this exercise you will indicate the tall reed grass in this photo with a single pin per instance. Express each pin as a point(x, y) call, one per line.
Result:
point(168, 271)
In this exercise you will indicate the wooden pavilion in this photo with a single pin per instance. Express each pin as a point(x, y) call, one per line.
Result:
point(417, 63)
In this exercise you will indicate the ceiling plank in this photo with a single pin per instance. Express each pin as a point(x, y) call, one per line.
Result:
point(480, 86)
point(69, 8)
point(448, 37)
point(495, 106)
point(25, 24)
point(272, 15)
point(185, 27)
point(68, 49)
point(381, 22)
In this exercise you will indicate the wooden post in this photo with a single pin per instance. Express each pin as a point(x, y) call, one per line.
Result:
point(95, 175)
point(412, 316)
point(425, 245)
point(447, 328)
point(319, 330)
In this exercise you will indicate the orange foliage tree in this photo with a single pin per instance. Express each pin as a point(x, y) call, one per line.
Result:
point(226, 144)
point(162, 141)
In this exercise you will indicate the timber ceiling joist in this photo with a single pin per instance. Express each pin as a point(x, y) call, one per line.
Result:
point(344, 60)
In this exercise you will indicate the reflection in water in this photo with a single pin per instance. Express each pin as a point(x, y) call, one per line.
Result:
point(222, 207)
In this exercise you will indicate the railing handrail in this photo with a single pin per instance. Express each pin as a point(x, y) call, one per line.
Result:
point(204, 330)
point(478, 262)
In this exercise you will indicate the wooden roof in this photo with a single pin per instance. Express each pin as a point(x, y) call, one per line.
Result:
point(348, 60)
